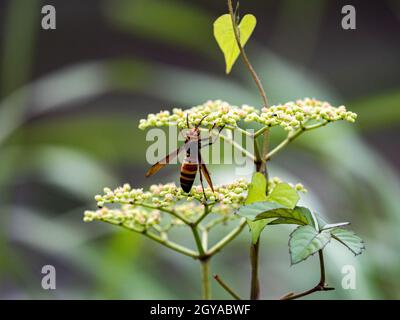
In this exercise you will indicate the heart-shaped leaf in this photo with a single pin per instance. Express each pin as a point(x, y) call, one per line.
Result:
point(257, 188)
point(224, 34)
point(305, 241)
point(285, 195)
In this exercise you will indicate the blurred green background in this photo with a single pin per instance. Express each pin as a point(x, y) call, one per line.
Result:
point(71, 99)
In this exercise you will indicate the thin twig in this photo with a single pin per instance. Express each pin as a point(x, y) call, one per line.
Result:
point(226, 287)
point(321, 286)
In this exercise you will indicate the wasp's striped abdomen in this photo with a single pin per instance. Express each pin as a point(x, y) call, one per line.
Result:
point(188, 174)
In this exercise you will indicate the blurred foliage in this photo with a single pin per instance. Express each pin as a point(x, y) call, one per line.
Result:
point(66, 134)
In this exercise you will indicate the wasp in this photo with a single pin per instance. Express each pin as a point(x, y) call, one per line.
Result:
point(192, 162)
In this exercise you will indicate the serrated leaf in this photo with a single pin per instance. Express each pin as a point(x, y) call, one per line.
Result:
point(349, 239)
point(305, 241)
point(224, 34)
point(298, 215)
point(256, 227)
point(257, 189)
point(284, 194)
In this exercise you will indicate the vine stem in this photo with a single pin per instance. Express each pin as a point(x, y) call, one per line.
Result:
point(244, 56)
point(321, 286)
point(259, 161)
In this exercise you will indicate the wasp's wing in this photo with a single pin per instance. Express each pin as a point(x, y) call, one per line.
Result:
point(204, 169)
point(163, 162)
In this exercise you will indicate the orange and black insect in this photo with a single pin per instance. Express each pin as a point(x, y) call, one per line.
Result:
point(192, 161)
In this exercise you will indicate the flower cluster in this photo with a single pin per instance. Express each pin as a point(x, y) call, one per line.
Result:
point(141, 209)
point(289, 116)
point(218, 112)
point(292, 115)
point(136, 218)
point(275, 181)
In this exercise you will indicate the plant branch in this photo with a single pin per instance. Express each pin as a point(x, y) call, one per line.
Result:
point(246, 61)
point(321, 286)
point(245, 132)
point(226, 287)
point(233, 143)
point(255, 283)
point(205, 213)
point(169, 244)
point(238, 147)
point(205, 281)
point(292, 137)
point(228, 238)
point(197, 239)
point(261, 131)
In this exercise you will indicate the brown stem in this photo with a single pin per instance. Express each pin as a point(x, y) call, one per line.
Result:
point(321, 286)
point(255, 283)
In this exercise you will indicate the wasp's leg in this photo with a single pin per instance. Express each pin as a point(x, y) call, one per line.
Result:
point(202, 184)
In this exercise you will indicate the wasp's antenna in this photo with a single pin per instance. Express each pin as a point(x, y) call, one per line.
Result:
point(198, 125)
point(187, 120)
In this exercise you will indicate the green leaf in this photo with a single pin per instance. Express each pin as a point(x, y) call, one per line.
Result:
point(298, 215)
point(305, 241)
point(257, 189)
point(267, 210)
point(256, 227)
point(349, 239)
point(253, 210)
point(224, 34)
point(257, 192)
point(284, 194)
